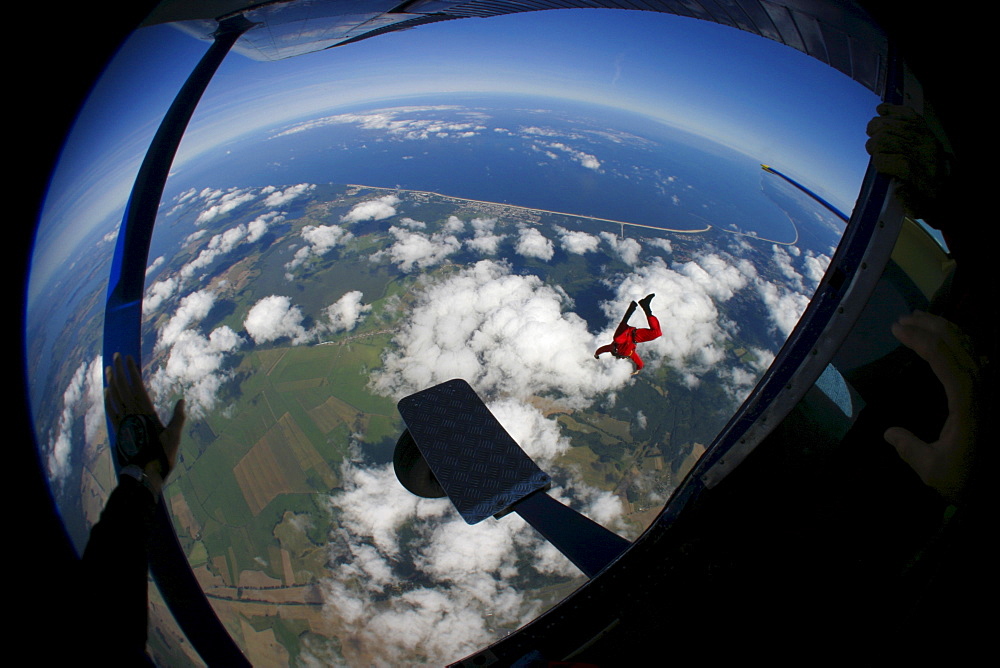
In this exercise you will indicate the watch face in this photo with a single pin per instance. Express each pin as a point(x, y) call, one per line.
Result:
point(135, 435)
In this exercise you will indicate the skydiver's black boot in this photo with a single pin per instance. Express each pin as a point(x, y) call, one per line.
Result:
point(644, 303)
point(629, 312)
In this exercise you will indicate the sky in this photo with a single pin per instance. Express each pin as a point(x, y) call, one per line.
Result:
point(743, 91)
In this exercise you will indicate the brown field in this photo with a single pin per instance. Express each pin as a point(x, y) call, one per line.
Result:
point(286, 568)
point(262, 648)
point(332, 413)
point(222, 566)
point(549, 406)
point(269, 469)
point(183, 515)
point(258, 579)
point(207, 579)
point(697, 450)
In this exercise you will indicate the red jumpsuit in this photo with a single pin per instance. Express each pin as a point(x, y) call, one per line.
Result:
point(627, 336)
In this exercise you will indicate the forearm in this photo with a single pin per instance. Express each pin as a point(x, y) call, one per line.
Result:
point(115, 563)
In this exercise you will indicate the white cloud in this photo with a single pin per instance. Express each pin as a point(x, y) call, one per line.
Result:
point(158, 293)
point(220, 203)
point(85, 392)
point(280, 197)
point(685, 303)
point(577, 242)
point(192, 310)
point(415, 250)
point(485, 241)
point(506, 335)
point(194, 236)
point(375, 209)
point(258, 226)
point(586, 159)
point(154, 265)
point(194, 369)
point(467, 573)
point(814, 266)
point(532, 243)
point(627, 249)
point(274, 317)
point(454, 225)
point(412, 224)
point(661, 242)
point(783, 261)
point(347, 311)
point(321, 239)
point(394, 123)
point(784, 307)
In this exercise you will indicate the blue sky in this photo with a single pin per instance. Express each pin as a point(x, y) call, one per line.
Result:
point(762, 98)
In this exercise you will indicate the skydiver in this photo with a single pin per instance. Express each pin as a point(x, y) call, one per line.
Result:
point(626, 336)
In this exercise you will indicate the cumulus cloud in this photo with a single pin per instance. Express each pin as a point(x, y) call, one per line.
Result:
point(157, 294)
point(277, 198)
point(454, 225)
point(194, 236)
point(686, 301)
point(585, 159)
point(484, 240)
point(412, 224)
point(783, 261)
point(273, 318)
point(532, 243)
point(577, 242)
point(784, 307)
point(405, 123)
point(413, 250)
point(194, 369)
point(738, 381)
point(465, 578)
point(506, 335)
point(194, 362)
point(347, 311)
point(661, 243)
point(83, 394)
point(814, 266)
point(627, 249)
point(219, 203)
point(192, 309)
point(320, 240)
point(449, 587)
point(154, 265)
point(375, 209)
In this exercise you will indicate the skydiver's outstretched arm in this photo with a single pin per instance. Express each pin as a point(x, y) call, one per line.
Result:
point(603, 349)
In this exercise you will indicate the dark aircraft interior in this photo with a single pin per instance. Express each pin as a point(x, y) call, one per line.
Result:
point(800, 536)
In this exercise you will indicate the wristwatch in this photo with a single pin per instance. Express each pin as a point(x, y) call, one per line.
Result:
point(138, 442)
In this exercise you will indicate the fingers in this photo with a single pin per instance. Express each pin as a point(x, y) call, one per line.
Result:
point(943, 464)
point(887, 110)
point(125, 393)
